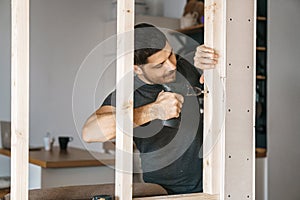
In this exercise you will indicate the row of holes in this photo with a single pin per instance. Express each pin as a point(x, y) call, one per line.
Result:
point(248, 196)
point(230, 19)
point(248, 67)
point(249, 20)
point(229, 110)
point(231, 157)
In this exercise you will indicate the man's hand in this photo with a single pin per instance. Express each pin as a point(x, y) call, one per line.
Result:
point(205, 58)
point(167, 105)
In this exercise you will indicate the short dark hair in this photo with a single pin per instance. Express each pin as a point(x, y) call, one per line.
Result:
point(148, 40)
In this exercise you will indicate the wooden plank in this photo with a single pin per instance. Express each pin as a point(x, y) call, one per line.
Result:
point(260, 77)
point(260, 18)
point(261, 48)
point(124, 100)
point(193, 196)
point(230, 103)
point(240, 100)
point(74, 157)
point(214, 103)
point(19, 98)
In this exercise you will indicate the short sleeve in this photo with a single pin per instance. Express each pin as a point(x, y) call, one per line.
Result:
point(110, 100)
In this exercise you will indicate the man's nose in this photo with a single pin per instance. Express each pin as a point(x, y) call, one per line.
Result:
point(170, 65)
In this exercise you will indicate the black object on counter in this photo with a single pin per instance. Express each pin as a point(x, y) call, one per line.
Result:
point(102, 197)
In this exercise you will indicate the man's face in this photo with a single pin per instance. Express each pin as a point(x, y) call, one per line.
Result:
point(160, 69)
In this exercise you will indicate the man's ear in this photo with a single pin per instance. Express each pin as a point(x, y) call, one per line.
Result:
point(138, 70)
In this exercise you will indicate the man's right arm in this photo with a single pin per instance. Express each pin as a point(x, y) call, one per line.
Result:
point(101, 125)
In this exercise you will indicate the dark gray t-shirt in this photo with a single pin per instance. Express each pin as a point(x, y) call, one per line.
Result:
point(170, 157)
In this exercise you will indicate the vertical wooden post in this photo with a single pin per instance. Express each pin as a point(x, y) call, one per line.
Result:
point(124, 102)
point(229, 157)
point(19, 99)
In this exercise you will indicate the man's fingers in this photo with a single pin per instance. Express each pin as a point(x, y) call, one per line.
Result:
point(206, 55)
point(201, 80)
point(161, 92)
point(205, 58)
point(204, 48)
point(208, 65)
point(170, 95)
point(179, 97)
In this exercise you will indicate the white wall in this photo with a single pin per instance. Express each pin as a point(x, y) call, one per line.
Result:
point(4, 74)
point(283, 99)
point(4, 60)
point(63, 32)
point(173, 8)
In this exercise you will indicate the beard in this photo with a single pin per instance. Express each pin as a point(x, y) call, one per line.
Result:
point(170, 77)
point(165, 78)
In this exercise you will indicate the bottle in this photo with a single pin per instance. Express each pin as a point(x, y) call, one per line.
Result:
point(48, 142)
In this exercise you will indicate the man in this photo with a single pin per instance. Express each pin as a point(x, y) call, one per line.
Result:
point(168, 124)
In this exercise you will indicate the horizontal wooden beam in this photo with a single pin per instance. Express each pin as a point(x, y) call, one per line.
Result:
point(193, 196)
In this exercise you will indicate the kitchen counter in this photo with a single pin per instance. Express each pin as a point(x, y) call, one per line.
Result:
point(63, 168)
point(73, 157)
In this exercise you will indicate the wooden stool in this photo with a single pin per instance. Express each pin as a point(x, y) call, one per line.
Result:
point(4, 186)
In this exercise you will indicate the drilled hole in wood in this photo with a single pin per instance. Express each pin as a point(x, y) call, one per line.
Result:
point(248, 110)
point(229, 110)
point(229, 156)
point(230, 19)
point(248, 159)
point(249, 20)
point(248, 196)
point(229, 64)
point(229, 195)
point(248, 67)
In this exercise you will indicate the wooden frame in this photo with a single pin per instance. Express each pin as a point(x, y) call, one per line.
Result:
point(230, 103)
point(225, 106)
point(124, 100)
point(19, 99)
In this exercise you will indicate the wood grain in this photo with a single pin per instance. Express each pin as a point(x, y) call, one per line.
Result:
point(19, 98)
point(124, 100)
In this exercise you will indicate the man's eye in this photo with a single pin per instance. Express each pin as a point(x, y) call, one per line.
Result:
point(158, 66)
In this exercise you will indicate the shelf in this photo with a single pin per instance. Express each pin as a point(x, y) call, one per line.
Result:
point(261, 48)
point(260, 77)
point(260, 18)
point(260, 152)
point(192, 29)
